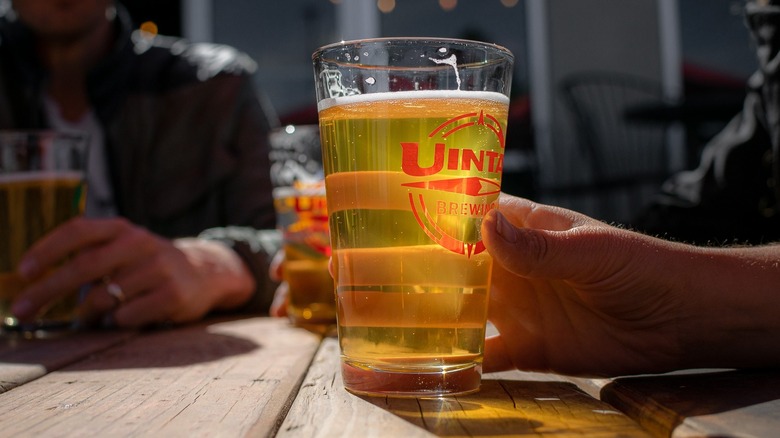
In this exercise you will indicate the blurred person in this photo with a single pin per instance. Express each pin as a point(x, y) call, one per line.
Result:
point(178, 175)
point(733, 196)
point(573, 295)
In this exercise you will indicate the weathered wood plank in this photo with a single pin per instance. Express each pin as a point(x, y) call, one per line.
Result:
point(228, 378)
point(701, 403)
point(324, 409)
point(509, 404)
point(23, 360)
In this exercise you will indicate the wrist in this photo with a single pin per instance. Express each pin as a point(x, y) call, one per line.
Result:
point(224, 275)
point(732, 309)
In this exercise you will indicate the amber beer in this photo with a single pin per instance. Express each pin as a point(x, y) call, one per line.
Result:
point(302, 216)
point(409, 177)
point(31, 205)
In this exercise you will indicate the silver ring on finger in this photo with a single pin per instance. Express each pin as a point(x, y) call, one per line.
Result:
point(115, 291)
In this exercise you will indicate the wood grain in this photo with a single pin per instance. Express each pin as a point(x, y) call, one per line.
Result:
point(229, 378)
point(240, 377)
point(701, 402)
point(509, 404)
point(23, 360)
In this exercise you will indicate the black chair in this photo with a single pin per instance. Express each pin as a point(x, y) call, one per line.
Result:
point(628, 161)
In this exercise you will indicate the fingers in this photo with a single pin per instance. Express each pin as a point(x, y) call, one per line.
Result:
point(133, 282)
point(147, 309)
point(279, 305)
point(98, 301)
point(523, 251)
point(164, 288)
point(549, 242)
point(276, 265)
point(516, 311)
point(97, 248)
point(525, 213)
point(140, 308)
point(496, 358)
point(159, 281)
point(72, 236)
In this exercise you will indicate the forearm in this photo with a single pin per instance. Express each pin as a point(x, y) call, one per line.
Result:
point(732, 307)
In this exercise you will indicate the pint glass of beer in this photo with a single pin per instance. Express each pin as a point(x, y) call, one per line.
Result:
point(413, 133)
point(42, 184)
point(302, 219)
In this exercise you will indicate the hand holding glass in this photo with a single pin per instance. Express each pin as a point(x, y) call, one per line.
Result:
point(413, 134)
point(42, 185)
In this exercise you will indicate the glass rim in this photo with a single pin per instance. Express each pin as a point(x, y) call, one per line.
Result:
point(429, 40)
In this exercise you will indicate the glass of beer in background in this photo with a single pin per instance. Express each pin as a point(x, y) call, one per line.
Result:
point(412, 133)
point(42, 185)
point(302, 218)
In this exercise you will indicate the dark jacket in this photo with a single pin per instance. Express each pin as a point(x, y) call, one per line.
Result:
point(734, 194)
point(186, 135)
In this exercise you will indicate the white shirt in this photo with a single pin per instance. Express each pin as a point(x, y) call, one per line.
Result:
point(100, 196)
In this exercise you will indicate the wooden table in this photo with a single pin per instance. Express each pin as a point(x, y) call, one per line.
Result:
point(261, 377)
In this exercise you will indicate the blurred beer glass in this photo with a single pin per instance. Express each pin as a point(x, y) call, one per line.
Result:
point(42, 184)
point(413, 134)
point(302, 218)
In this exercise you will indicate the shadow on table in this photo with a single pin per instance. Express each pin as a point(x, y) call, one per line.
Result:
point(181, 346)
point(662, 403)
point(513, 408)
point(24, 360)
point(171, 348)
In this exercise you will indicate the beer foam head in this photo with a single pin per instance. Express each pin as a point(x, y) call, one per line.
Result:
point(421, 94)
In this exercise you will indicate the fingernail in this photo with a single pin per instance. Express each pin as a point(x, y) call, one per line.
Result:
point(22, 308)
point(28, 268)
point(505, 229)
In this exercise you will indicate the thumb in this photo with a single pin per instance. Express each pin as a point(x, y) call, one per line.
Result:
point(532, 252)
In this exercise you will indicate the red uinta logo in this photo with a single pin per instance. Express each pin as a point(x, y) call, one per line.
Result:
point(432, 200)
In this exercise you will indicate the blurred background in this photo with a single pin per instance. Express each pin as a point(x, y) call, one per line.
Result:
point(609, 96)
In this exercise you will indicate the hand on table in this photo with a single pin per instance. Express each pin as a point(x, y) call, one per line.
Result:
point(577, 296)
point(574, 295)
point(161, 281)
